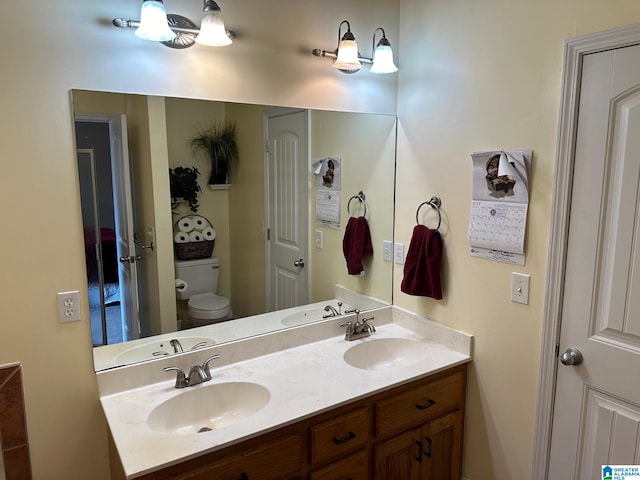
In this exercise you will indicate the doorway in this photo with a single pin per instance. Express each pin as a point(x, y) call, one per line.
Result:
point(107, 222)
point(588, 409)
point(287, 203)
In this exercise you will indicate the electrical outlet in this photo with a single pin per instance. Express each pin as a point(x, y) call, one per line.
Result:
point(318, 238)
point(386, 251)
point(520, 288)
point(69, 306)
point(398, 253)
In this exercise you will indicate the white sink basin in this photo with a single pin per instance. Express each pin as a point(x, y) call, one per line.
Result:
point(205, 407)
point(154, 349)
point(305, 316)
point(309, 315)
point(386, 354)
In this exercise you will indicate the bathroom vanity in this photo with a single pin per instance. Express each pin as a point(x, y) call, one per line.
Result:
point(309, 405)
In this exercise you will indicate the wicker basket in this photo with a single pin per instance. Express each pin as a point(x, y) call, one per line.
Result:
point(194, 250)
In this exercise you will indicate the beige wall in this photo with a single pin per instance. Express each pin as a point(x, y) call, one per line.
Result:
point(474, 76)
point(74, 46)
point(366, 146)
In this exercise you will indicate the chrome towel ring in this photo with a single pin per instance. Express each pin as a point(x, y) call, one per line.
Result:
point(435, 203)
point(360, 197)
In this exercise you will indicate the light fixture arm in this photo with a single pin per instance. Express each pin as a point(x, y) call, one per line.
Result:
point(318, 52)
point(185, 29)
point(383, 40)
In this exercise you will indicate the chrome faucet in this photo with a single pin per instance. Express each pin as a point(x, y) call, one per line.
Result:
point(197, 374)
point(177, 346)
point(359, 329)
point(333, 311)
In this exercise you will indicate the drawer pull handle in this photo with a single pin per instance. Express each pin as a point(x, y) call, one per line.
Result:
point(243, 476)
point(419, 457)
point(340, 441)
point(428, 450)
point(426, 405)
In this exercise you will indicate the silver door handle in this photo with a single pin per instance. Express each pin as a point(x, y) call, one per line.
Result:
point(131, 259)
point(299, 263)
point(571, 356)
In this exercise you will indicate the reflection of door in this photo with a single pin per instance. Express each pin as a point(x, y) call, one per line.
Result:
point(287, 210)
point(597, 404)
point(123, 205)
point(116, 179)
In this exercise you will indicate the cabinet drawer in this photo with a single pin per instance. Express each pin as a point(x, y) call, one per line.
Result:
point(339, 435)
point(420, 404)
point(274, 461)
point(354, 467)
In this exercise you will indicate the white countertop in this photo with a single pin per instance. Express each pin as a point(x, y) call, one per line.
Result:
point(303, 380)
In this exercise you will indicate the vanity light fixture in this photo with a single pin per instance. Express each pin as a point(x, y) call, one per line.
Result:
point(347, 53)
point(153, 22)
point(382, 55)
point(348, 59)
point(179, 32)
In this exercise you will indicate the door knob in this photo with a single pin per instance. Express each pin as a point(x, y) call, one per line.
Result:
point(571, 356)
point(131, 259)
point(299, 263)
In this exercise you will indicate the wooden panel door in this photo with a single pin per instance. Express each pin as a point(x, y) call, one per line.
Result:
point(399, 457)
point(597, 404)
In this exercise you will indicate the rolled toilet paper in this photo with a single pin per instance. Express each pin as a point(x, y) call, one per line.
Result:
point(181, 237)
point(185, 225)
point(209, 233)
point(181, 285)
point(199, 223)
point(195, 236)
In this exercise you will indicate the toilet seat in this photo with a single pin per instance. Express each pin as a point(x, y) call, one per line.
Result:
point(209, 306)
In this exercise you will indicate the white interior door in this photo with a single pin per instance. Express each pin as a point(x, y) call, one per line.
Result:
point(597, 404)
point(123, 206)
point(287, 210)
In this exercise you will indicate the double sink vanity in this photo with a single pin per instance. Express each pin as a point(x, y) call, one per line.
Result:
point(300, 403)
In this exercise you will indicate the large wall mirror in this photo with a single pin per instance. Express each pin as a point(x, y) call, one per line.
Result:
point(278, 223)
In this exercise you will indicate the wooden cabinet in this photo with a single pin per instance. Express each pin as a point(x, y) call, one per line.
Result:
point(432, 452)
point(411, 432)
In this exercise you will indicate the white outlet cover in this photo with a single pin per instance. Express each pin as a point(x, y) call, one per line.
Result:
point(69, 306)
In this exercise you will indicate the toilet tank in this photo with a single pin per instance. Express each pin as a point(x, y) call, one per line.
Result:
point(200, 276)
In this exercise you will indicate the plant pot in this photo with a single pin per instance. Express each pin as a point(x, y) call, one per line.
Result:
point(218, 175)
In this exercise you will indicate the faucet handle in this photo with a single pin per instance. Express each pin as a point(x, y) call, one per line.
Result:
point(369, 325)
point(181, 378)
point(205, 364)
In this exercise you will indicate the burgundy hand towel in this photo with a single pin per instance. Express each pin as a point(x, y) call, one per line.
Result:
point(422, 265)
point(356, 244)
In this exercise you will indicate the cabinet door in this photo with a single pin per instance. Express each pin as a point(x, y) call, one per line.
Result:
point(354, 467)
point(442, 448)
point(399, 457)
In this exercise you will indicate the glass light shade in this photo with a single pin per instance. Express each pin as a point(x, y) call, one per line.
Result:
point(153, 22)
point(383, 60)
point(212, 30)
point(347, 60)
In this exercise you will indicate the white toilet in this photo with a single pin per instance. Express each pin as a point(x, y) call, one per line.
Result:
point(200, 280)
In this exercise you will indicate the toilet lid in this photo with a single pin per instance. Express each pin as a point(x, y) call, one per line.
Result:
point(209, 303)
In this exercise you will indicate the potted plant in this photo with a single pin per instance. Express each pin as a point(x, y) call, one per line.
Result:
point(183, 185)
point(218, 143)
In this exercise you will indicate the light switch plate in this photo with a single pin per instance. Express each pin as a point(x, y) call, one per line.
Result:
point(398, 253)
point(387, 247)
point(318, 238)
point(520, 288)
